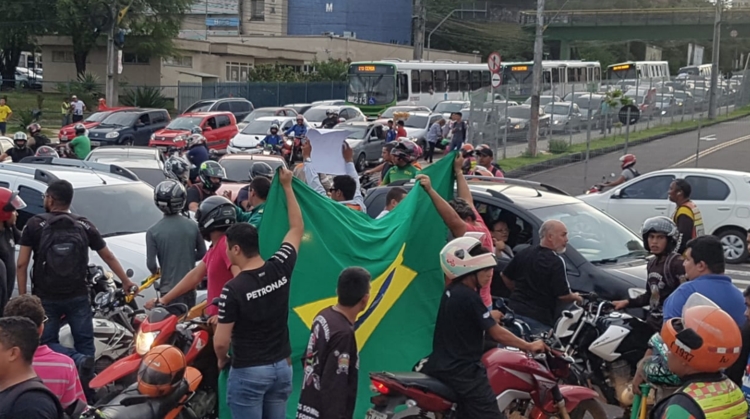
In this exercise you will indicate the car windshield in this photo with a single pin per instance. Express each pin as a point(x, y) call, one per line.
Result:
point(152, 176)
point(185, 123)
point(449, 107)
point(316, 114)
point(259, 113)
point(356, 133)
point(257, 127)
point(416, 121)
point(557, 109)
point(118, 209)
point(119, 119)
point(199, 107)
point(238, 169)
point(586, 102)
point(97, 116)
point(518, 112)
point(594, 234)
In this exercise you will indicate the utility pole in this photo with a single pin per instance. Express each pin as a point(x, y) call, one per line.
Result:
point(536, 88)
point(715, 62)
point(110, 90)
point(418, 28)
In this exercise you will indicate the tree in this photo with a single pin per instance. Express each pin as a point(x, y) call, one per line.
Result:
point(152, 23)
point(19, 22)
point(331, 70)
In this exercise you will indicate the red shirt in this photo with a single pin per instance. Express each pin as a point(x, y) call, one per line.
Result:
point(401, 132)
point(218, 272)
point(59, 374)
point(480, 227)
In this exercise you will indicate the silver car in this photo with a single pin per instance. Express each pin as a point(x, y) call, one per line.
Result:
point(566, 116)
point(366, 140)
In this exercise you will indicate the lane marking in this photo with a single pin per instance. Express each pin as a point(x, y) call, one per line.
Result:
point(711, 150)
point(710, 137)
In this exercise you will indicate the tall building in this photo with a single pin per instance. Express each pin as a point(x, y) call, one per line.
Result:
point(387, 21)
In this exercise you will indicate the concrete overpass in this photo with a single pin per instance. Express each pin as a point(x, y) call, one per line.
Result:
point(636, 24)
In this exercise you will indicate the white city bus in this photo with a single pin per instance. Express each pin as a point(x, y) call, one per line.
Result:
point(560, 77)
point(638, 71)
point(702, 71)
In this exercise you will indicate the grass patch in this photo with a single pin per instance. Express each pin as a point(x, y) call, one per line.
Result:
point(515, 163)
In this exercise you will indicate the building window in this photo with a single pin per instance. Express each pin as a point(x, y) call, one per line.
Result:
point(258, 10)
point(132, 58)
point(183, 61)
point(238, 71)
point(63, 56)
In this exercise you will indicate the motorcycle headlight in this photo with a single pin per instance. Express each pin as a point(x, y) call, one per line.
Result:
point(290, 143)
point(113, 134)
point(144, 341)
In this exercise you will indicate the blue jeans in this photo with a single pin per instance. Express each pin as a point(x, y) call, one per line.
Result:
point(260, 392)
point(3, 126)
point(536, 326)
point(78, 315)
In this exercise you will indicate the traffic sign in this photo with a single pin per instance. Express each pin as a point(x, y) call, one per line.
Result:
point(634, 114)
point(494, 62)
point(496, 80)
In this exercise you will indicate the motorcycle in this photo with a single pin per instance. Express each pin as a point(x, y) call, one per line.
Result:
point(367, 181)
point(524, 385)
point(165, 325)
point(116, 317)
point(605, 344)
point(598, 187)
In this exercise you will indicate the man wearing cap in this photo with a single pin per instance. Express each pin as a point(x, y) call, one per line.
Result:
point(485, 158)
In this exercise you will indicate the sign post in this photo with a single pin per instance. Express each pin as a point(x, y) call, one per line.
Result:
point(494, 62)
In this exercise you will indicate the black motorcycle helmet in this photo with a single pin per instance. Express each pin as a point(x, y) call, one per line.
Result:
point(211, 169)
point(170, 196)
point(262, 169)
point(177, 168)
point(215, 213)
point(663, 225)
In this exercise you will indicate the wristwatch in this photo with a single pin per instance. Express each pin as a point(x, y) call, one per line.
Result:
point(308, 160)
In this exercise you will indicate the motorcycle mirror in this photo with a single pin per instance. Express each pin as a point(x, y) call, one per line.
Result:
point(612, 175)
point(129, 273)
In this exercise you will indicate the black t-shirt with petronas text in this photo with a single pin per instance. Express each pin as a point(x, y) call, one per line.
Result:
point(257, 302)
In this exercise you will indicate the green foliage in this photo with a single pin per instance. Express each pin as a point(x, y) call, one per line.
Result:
point(617, 99)
point(25, 118)
point(16, 19)
point(39, 101)
point(87, 87)
point(331, 70)
point(558, 146)
point(144, 97)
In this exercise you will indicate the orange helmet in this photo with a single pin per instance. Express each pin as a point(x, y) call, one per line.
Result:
point(706, 338)
point(161, 370)
point(627, 161)
point(10, 202)
point(467, 150)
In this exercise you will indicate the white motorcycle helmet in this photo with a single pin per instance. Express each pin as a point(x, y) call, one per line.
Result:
point(457, 261)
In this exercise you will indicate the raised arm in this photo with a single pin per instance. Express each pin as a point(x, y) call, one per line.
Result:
point(450, 217)
point(296, 225)
point(462, 187)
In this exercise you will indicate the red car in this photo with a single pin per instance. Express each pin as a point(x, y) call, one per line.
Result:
point(218, 128)
point(93, 120)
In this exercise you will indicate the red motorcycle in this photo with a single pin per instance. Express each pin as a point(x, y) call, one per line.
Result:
point(163, 326)
point(524, 385)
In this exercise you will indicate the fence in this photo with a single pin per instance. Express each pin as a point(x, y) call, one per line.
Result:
point(579, 117)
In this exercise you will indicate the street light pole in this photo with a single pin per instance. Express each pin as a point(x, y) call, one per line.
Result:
point(715, 62)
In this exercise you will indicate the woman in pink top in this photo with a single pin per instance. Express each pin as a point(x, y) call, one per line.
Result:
point(460, 215)
point(57, 371)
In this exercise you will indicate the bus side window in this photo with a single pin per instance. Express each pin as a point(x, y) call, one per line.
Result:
point(556, 74)
point(597, 74)
point(572, 75)
point(464, 81)
point(546, 77)
point(452, 80)
point(415, 81)
point(476, 80)
point(486, 79)
point(425, 77)
point(403, 87)
point(440, 81)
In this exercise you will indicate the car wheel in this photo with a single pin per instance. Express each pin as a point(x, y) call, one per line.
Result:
point(735, 245)
point(127, 142)
point(361, 164)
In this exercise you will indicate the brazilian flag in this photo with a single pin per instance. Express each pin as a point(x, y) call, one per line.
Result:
point(399, 250)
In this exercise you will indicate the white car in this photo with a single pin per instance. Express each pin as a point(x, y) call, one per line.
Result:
point(250, 137)
point(317, 114)
point(723, 197)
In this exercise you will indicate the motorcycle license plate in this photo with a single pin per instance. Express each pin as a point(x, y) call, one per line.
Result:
point(371, 414)
point(95, 144)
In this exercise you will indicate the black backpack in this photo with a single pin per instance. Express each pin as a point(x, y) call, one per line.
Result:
point(63, 255)
point(35, 384)
point(634, 172)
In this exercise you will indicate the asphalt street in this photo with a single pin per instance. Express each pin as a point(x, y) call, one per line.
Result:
point(722, 146)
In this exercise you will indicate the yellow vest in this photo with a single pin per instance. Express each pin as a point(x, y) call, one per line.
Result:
point(692, 211)
point(719, 399)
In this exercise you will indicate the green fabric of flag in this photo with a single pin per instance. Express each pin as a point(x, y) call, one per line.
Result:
point(401, 252)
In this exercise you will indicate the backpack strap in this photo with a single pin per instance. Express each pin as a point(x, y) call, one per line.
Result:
point(34, 384)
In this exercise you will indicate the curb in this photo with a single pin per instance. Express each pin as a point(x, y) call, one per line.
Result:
point(581, 156)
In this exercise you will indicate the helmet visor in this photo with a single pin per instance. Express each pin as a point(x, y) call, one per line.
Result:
point(15, 203)
point(214, 170)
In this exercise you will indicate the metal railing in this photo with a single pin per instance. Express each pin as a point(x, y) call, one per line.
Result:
point(638, 17)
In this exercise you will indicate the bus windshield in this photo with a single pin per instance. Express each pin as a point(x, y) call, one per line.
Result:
point(517, 74)
point(621, 72)
point(371, 85)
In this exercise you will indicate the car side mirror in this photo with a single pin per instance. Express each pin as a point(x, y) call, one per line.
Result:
point(616, 194)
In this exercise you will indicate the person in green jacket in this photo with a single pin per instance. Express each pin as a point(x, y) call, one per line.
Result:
point(81, 145)
point(257, 195)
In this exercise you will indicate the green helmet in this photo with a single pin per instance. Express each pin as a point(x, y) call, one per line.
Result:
point(211, 169)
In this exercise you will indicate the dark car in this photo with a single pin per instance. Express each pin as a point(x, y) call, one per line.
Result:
point(236, 105)
point(603, 256)
point(129, 127)
point(519, 118)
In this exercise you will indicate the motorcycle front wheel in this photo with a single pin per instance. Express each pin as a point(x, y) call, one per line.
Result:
point(594, 409)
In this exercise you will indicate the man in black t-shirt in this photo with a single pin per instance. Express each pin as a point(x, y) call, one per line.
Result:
point(211, 175)
point(64, 296)
point(22, 393)
point(462, 321)
point(253, 314)
point(537, 278)
point(331, 362)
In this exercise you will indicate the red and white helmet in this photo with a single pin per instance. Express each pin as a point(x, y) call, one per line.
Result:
point(627, 160)
point(456, 260)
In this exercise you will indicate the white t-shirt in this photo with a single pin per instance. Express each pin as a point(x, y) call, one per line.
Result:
point(382, 214)
point(77, 107)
